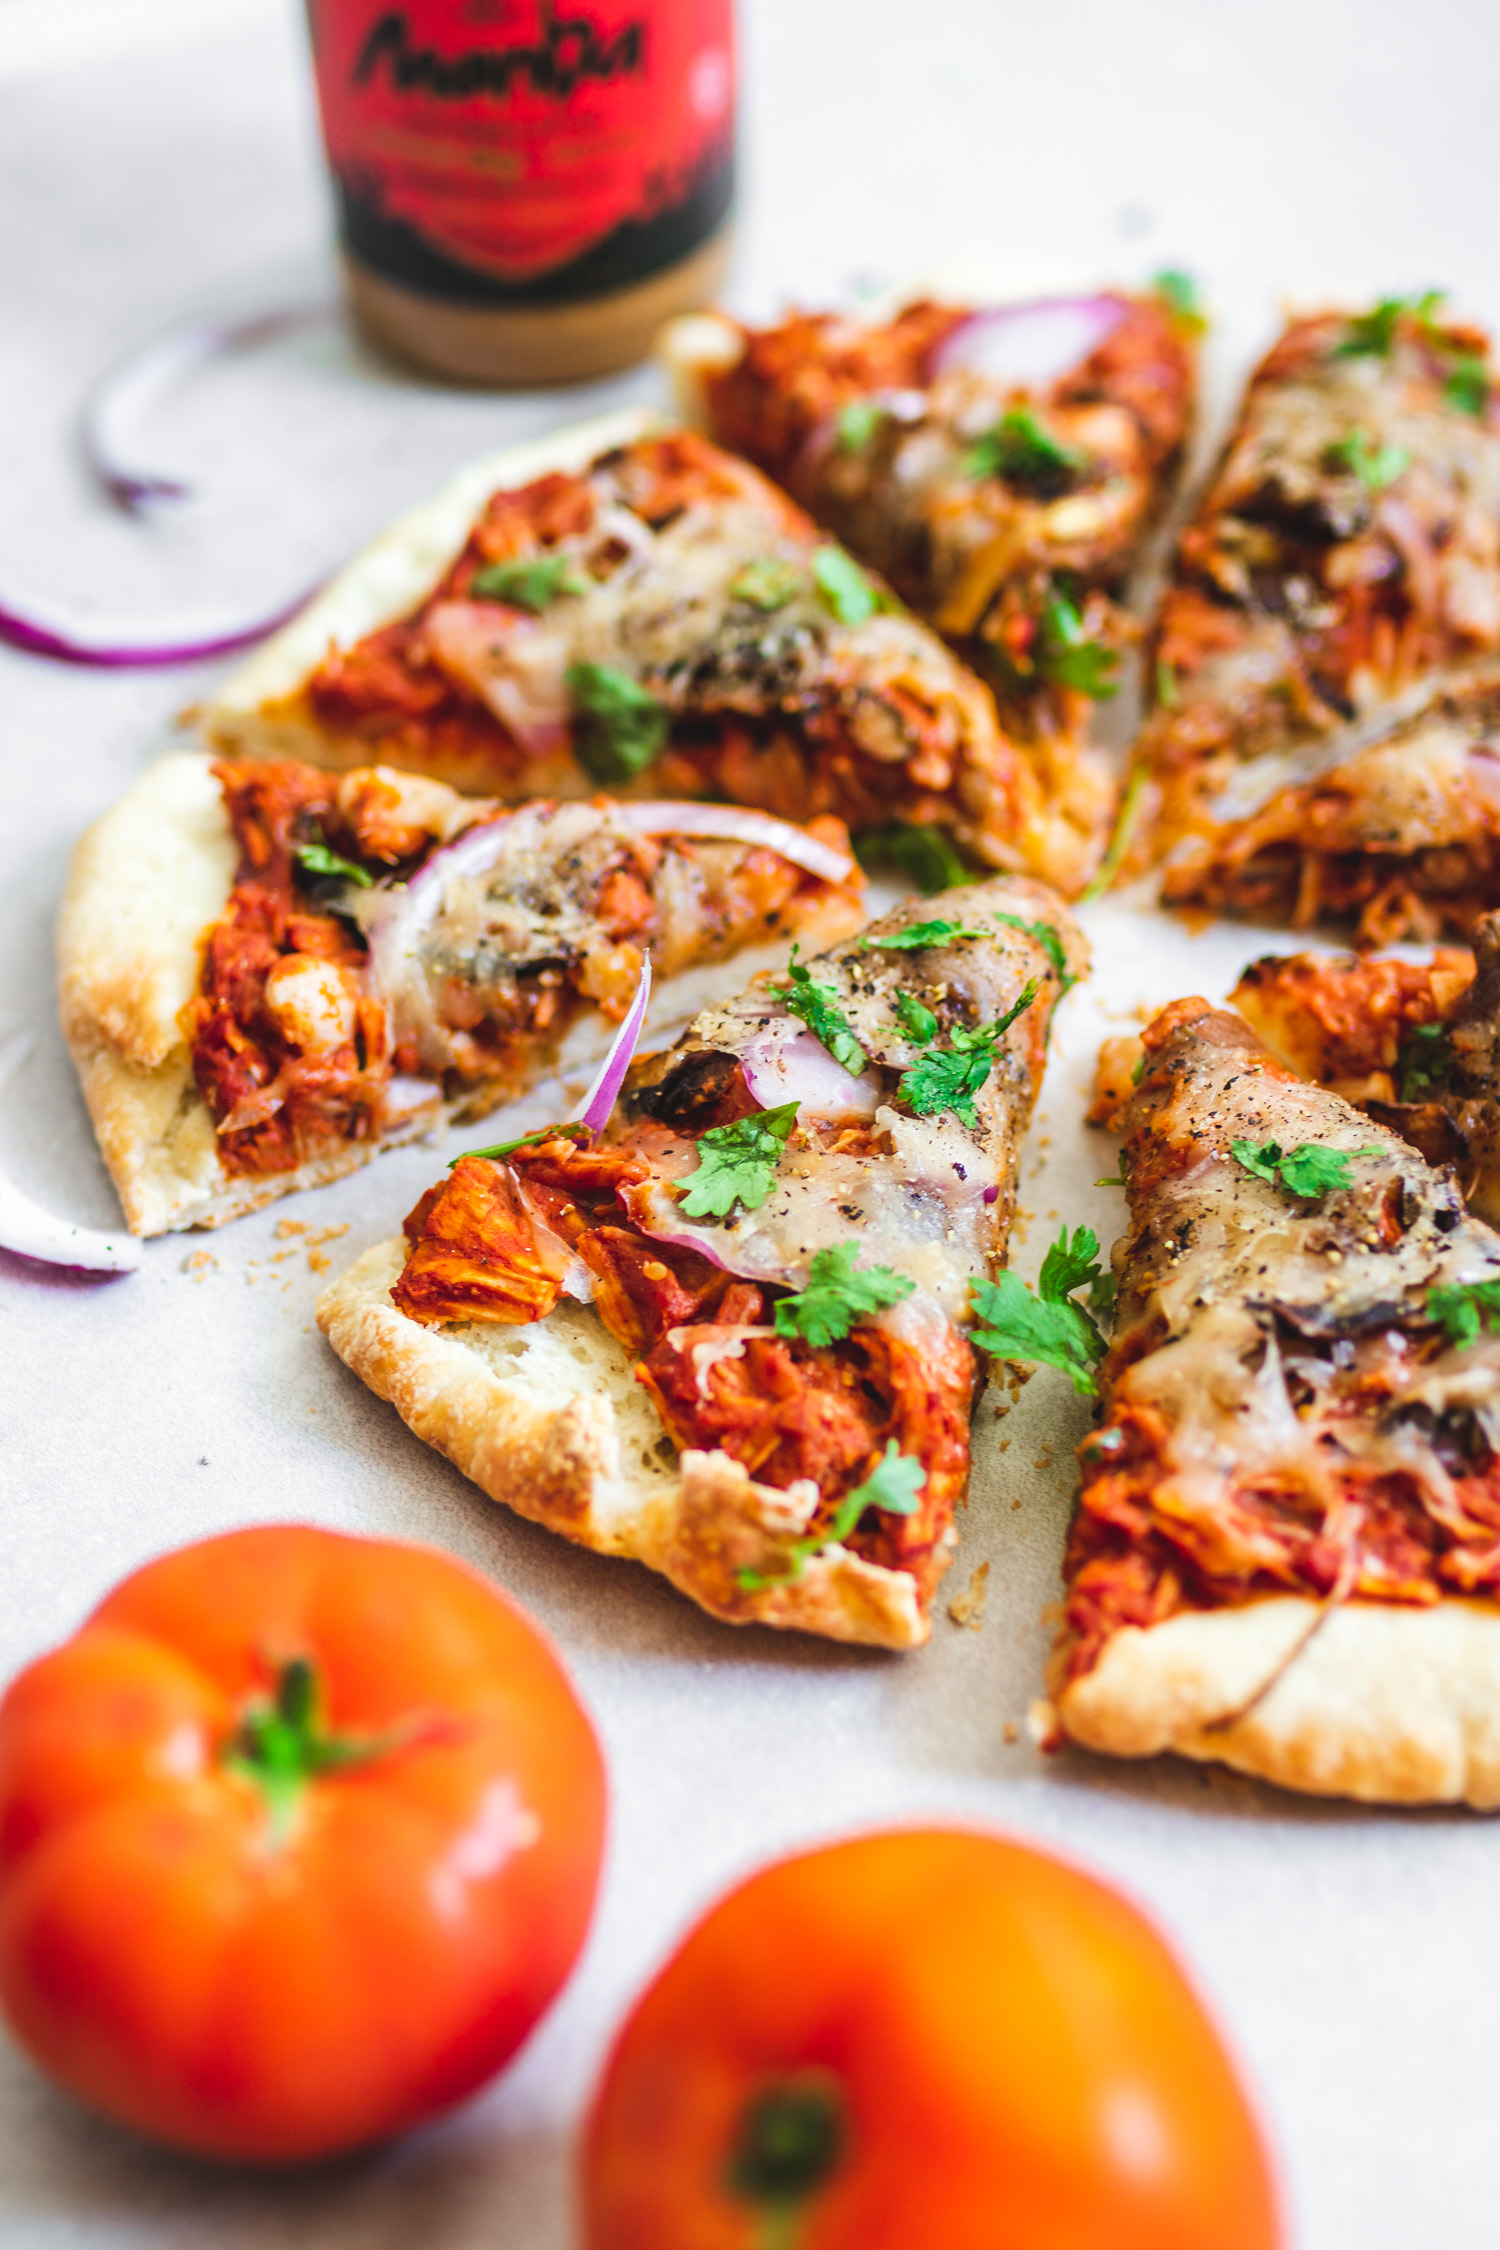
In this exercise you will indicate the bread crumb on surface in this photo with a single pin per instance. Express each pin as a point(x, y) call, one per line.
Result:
point(967, 1608)
point(286, 1228)
point(200, 1263)
point(1010, 1731)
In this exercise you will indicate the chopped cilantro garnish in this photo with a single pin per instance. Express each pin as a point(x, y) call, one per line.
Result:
point(949, 1077)
point(1166, 685)
point(818, 1006)
point(1181, 293)
point(925, 854)
point(857, 423)
point(1024, 452)
point(531, 582)
point(1463, 1310)
point(913, 1017)
point(895, 1484)
point(620, 727)
point(1308, 1170)
point(540, 1133)
point(1045, 1324)
point(1132, 805)
point(737, 1163)
point(918, 934)
point(767, 583)
point(1468, 385)
point(844, 586)
point(317, 859)
point(1375, 466)
point(1066, 655)
point(1050, 941)
point(1371, 335)
point(837, 1297)
point(1423, 1060)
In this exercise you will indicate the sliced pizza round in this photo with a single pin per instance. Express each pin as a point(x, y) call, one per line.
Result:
point(1287, 1549)
point(725, 1333)
point(269, 972)
point(626, 607)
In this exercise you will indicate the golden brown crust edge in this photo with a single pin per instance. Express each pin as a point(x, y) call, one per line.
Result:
point(549, 1421)
point(1367, 1700)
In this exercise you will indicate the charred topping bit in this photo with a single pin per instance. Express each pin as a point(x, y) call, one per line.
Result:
point(894, 1485)
point(1308, 1170)
point(737, 1163)
point(533, 1139)
point(1066, 655)
point(1375, 466)
point(837, 1297)
point(620, 727)
point(766, 583)
point(316, 859)
point(1023, 451)
point(950, 1077)
point(530, 582)
point(817, 1005)
point(1046, 1325)
point(1463, 1311)
point(923, 853)
point(844, 587)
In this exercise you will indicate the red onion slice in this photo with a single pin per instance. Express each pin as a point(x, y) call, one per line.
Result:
point(680, 817)
point(786, 1063)
point(133, 647)
point(1033, 344)
point(34, 1233)
point(594, 1110)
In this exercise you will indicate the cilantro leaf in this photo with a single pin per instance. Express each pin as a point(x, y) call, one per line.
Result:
point(534, 1138)
point(1468, 385)
point(1181, 293)
point(915, 1018)
point(857, 423)
point(837, 1297)
point(1371, 335)
point(925, 854)
point(1308, 1170)
point(1166, 685)
point(843, 585)
point(917, 934)
point(1066, 655)
point(1463, 1310)
point(530, 582)
point(1045, 1325)
point(1423, 1060)
point(317, 859)
point(818, 1006)
point(895, 1484)
point(766, 583)
point(949, 1077)
point(737, 1163)
point(620, 727)
point(1023, 452)
point(1375, 468)
point(1050, 941)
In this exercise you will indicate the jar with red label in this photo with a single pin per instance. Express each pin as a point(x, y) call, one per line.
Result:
point(527, 189)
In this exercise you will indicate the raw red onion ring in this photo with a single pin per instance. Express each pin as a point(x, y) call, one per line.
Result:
point(681, 817)
point(34, 1233)
point(597, 1103)
point(786, 1062)
point(1032, 344)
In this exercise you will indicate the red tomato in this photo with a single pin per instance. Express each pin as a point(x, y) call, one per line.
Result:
point(298, 1838)
point(923, 2041)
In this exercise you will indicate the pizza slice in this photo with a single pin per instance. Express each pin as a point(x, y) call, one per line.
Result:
point(269, 972)
point(1287, 1548)
point(631, 608)
point(1000, 464)
point(1323, 736)
point(1414, 1044)
point(721, 1326)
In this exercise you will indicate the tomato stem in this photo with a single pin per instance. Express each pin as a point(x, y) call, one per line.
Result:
point(281, 1746)
point(791, 2138)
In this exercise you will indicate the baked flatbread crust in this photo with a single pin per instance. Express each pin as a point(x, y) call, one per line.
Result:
point(147, 884)
point(1365, 1700)
point(548, 1419)
point(260, 714)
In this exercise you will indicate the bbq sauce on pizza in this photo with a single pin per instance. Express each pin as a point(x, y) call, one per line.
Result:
point(528, 188)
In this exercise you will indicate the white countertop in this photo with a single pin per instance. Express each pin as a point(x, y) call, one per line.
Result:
point(157, 163)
